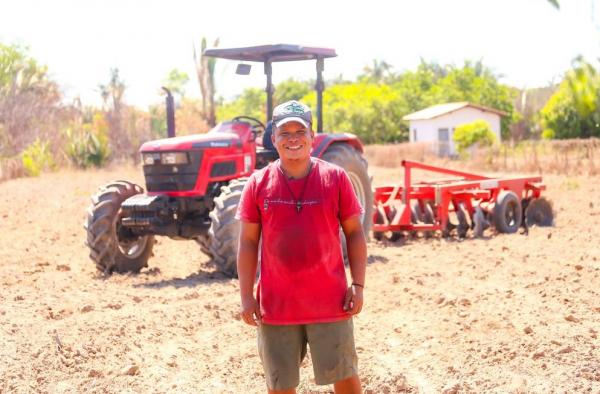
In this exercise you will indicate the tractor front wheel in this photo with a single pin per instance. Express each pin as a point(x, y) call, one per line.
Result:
point(112, 247)
point(222, 241)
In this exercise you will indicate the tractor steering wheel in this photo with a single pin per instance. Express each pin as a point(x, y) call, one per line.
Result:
point(256, 125)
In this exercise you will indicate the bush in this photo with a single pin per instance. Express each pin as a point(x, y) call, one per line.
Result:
point(574, 110)
point(37, 158)
point(86, 148)
point(468, 134)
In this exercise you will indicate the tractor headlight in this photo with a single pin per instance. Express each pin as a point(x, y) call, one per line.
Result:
point(174, 158)
point(150, 158)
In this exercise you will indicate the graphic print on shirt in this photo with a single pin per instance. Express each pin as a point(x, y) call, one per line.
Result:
point(280, 201)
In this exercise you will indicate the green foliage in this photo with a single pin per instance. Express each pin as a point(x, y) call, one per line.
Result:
point(574, 110)
point(158, 120)
point(477, 84)
point(250, 103)
point(373, 106)
point(176, 81)
point(87, 145)
point(477, 132)
point(37, 157)
point(290, 89)
point(548, 134)
point(371, 111)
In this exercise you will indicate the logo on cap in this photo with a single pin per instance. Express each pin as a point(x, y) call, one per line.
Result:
point(292, 111)
point(294, 107)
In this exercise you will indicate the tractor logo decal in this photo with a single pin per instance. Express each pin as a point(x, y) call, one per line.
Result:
point(295, 108)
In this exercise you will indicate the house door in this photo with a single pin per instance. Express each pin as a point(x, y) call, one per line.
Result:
point(443, 142)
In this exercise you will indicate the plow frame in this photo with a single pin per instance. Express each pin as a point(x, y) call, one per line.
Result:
point(467, 191)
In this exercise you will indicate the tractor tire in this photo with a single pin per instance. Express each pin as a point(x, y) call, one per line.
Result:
point(356, 167)
point(539, 212)
point(222, 241)
point(507, 213)
point(111, 248)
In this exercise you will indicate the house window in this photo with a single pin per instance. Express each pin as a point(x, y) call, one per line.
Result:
point(443, 142)
point(414, 135)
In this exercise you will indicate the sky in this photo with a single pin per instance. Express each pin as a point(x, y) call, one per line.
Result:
point(528, 42)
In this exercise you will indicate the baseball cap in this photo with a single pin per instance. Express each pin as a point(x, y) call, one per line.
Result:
point(292, 111)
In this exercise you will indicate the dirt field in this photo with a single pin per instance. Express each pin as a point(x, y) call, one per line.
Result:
point(507, 313)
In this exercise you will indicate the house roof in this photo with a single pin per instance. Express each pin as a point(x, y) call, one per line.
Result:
point(443, 109)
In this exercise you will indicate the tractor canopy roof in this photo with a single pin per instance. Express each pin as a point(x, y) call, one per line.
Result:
point(273, 53)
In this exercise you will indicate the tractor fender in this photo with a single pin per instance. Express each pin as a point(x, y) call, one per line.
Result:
point(323, 141)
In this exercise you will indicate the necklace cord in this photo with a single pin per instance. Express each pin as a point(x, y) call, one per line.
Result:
point(297, 200)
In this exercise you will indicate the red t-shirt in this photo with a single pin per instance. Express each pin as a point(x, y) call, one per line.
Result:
point(302, 276)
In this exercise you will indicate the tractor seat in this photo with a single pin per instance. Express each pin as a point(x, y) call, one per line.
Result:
point(266, 141)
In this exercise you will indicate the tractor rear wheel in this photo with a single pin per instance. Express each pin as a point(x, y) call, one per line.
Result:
point(222, 241)
point(507, 213)
point(356, 167)
point(112, 247)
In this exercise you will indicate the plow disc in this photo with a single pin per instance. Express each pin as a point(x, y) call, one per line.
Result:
point(467, 202)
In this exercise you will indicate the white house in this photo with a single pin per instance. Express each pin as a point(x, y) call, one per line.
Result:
point(436, 124)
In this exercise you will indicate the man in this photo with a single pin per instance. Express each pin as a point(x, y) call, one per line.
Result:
point(295, 206)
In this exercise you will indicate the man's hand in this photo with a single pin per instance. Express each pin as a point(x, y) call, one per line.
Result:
point(250, 312)
point(353, 302)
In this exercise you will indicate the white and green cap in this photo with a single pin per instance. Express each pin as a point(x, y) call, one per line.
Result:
point(292, 111)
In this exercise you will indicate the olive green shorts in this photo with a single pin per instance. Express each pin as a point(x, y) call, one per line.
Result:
point(282, 349)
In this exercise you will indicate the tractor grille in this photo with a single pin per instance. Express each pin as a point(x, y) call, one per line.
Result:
point(222, 169)
point(171, 177)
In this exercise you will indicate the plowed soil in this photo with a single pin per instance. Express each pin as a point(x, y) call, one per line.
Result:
point(506, 313)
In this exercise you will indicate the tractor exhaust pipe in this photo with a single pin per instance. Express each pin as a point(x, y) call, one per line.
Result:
point(170, 105)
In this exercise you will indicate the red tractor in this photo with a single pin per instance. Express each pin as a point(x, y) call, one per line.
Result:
point(194, 182)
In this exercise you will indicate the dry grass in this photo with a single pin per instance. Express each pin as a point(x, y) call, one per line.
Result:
point(11, 168)
point(562, 157)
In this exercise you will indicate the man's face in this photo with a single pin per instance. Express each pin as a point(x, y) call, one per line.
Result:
point(292, 140)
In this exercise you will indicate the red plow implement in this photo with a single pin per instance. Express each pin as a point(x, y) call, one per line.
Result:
point(466, 202)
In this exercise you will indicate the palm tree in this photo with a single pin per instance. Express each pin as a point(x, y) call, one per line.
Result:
point(205, 70)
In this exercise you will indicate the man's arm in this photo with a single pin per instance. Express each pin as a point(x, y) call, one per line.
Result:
point(356, 245)
point(247, 260)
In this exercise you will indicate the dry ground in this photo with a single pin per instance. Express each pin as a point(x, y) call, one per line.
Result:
point(507, 313)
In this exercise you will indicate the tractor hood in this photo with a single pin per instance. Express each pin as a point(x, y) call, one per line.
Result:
point(194, 141)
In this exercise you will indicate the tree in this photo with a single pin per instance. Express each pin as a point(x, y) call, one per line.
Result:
point(250, 103)
point(29, 101)
point(112, 95)
point(291, 89)
point(205, 70)
point(176, 81)
point(475, 83)
point(378, 72)
point(371, 111)
point(574, 110)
